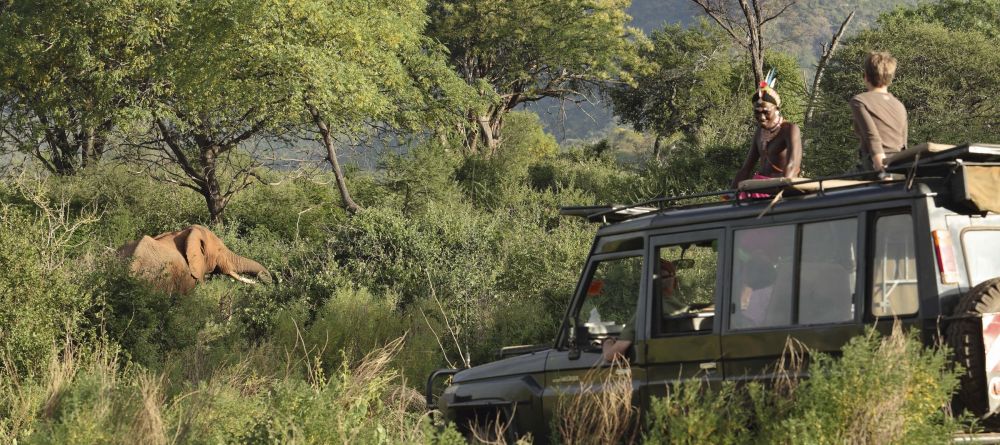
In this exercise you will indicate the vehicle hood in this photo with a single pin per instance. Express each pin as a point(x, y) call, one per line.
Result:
point(522, 364)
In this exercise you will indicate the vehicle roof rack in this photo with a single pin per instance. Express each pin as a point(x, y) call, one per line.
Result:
point(924, 160)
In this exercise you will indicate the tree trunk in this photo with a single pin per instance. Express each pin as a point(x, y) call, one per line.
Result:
point(211, 189)
point(89, 148)
point(827, 54)
point(331, 156)
point(484, 128)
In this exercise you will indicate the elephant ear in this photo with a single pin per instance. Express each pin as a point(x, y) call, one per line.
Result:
point(195, 253)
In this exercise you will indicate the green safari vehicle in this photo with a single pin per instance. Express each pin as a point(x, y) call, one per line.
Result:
point(713, 288)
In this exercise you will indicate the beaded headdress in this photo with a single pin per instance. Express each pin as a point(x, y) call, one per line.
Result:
point(765, 90)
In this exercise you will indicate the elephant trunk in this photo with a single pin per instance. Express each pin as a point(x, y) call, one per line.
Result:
point(246, 265)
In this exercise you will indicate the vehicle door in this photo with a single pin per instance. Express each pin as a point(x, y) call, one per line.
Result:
point(607, 304)
point(685, 292)
point(790, 281)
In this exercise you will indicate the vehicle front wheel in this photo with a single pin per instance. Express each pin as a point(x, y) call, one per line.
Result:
point(965, 337)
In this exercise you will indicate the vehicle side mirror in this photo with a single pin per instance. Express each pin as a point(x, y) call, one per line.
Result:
point(581, 335)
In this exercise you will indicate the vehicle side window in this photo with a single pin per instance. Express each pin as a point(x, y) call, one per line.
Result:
point(894, 273)
point(763, 266)
point(684, 280)
point(982, 258)
point(611, 297)
point(827, 272)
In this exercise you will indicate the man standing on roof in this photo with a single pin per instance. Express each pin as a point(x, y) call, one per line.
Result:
point(777, 144)
point(879, 118)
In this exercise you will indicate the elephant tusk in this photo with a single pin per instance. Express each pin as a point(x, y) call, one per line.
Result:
point(242, 279)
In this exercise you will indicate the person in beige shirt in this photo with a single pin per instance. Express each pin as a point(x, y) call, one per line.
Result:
point(879, 118)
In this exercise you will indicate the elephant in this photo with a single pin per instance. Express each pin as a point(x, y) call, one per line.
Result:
point(176, 261)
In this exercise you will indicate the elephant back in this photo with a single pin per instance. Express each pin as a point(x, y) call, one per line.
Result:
point(161, 264)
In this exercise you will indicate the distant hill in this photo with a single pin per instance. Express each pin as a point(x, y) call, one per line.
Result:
point(801, 31)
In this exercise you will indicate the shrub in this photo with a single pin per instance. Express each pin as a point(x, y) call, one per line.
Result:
point(693, 414)
point(881, 390)
point(85, 396)
point(294, 209)
point(601, 181)
point(40, 299)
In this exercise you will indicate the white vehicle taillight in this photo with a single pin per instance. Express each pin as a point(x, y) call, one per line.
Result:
point(945, 256)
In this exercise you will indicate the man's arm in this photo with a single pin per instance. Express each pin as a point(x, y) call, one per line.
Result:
point(752, 157)
point(794, 155)
point(870, 139)
point(613, 348)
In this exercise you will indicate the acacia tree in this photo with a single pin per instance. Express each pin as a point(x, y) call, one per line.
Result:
point(682, 75)
point(232, 73)
point(519, 51)
point(387, 77)
point(217, 85)
point(71, 71)
point(744, 21)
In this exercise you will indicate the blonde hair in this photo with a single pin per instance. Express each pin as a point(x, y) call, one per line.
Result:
point(880, 68)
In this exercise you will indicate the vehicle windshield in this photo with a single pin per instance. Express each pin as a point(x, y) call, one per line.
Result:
point(609, 304)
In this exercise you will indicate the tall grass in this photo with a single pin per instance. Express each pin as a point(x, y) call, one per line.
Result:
point(602, 411)
point(85, 397)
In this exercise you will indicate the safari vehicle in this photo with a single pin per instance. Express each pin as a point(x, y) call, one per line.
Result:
point(713, 288)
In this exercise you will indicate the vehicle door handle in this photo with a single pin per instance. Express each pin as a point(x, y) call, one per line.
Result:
point(708, 366)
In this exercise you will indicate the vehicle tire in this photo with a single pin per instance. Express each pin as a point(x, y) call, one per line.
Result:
point(965, 337)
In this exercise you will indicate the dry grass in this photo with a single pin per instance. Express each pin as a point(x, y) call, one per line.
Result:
point(601, 412)
point(147, 426)
point(493, 431)
point(61, 372)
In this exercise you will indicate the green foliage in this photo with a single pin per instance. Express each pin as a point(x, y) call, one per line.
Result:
point(526, 50)
point(947, 74)
point(414, 259)
point(85, 397)
point(979, 16)
point(129, 205)
point(693, 414)
point(425, 175)
point(72, 71)
point(525, 141)
point(600, 180)
point(913, 385)
point(887, 389)
point(295, 209)
point(40, 300)
point(682, 75)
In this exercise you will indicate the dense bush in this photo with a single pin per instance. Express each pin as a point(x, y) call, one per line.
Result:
point(882, 390)
point(41, 300)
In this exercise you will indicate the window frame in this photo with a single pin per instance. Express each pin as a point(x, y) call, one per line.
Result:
point(673, 239)
point(580, 294)
point(859, 293)
point(965, 249)
point(870, 261)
